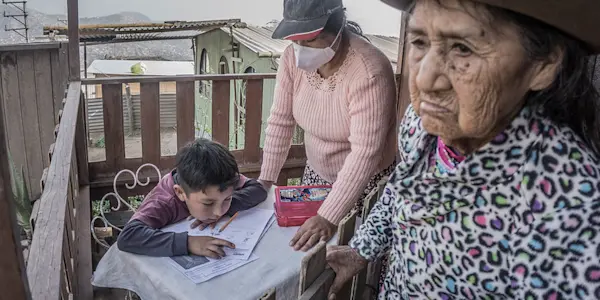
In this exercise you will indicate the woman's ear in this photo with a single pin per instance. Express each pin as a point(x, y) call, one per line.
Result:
point(546, 71)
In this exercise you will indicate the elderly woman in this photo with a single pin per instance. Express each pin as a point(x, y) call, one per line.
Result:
point(498, 192)
point(340, 90)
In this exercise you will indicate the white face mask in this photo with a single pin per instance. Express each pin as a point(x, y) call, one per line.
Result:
point(310, 59)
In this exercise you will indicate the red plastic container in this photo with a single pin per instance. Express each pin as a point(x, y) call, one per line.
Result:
point(296, 204)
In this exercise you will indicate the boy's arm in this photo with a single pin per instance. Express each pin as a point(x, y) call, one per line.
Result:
point(250, 194)
point(139, 238)
point(142, 234)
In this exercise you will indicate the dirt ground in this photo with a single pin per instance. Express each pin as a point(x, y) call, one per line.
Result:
point(133, 145)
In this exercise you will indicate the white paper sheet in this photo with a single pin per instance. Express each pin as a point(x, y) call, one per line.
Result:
point(200, 269)
point(244, 231)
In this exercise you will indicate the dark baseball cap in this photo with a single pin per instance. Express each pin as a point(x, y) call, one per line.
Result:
point(305, 19)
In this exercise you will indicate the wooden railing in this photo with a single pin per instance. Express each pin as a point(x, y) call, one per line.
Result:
point(249, 158)
point(59, 265)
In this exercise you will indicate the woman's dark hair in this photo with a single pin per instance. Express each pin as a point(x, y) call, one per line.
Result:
point(336, 20)
point(572, 99)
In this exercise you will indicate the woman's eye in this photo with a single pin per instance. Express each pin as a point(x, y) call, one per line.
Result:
point(418, 43)
point(462, 49)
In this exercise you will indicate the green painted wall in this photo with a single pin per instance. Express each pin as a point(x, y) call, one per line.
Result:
point(217, 45)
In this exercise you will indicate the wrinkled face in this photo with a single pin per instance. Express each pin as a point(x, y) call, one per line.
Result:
point(468, 71)
point(207, 206)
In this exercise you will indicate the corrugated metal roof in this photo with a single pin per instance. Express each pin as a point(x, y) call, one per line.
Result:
point(116, 33)
point(258, 39)
point(153, 68)
point(388, 45)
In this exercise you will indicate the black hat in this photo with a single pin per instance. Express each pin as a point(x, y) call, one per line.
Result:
point(579, 18)
point(305, 19)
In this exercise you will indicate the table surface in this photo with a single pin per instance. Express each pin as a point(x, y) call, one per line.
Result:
point(151, 278)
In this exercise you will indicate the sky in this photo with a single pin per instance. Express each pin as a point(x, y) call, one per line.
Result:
point(373, 16)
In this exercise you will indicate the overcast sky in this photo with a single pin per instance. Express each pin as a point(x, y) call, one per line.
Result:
point(372, 15)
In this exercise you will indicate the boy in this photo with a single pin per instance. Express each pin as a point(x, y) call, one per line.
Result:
point(205, 185)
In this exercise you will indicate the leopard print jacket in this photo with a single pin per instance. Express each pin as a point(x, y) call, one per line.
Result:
point(517, 219)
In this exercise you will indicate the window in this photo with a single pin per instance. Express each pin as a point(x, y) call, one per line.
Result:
point(204, 86)
point(223, 65)
point(204, 62)
point(242, 102)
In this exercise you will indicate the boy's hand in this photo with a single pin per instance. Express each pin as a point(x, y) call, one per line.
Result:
point(208, 246)
point(197, 223)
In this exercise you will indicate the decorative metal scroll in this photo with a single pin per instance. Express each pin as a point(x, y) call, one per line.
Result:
point(120, 200)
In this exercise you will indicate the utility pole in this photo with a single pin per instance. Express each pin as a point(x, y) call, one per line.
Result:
point(20, 17)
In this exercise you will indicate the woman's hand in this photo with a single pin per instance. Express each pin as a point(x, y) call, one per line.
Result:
point(311, 232)
point(346, 263)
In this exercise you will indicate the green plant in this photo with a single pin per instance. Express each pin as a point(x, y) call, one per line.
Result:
point(97, 207)
point(135, 201)
point(100, 143)
point(20, 191)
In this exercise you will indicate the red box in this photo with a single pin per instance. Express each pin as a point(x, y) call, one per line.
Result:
point(296, 204)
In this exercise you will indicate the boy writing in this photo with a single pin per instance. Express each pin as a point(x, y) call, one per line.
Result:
point(205, 185)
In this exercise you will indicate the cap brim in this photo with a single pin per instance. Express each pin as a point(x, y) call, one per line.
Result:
point(398, 4)
point(299, 30)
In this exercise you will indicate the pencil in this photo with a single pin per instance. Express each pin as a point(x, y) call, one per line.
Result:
point(228, 222)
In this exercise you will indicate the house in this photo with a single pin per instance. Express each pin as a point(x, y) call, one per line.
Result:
point(131, 91)
point(119, 68)
point(250, 49)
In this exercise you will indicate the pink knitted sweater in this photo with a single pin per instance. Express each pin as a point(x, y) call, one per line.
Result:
point(348, 119)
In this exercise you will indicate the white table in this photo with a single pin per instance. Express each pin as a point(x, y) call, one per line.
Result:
point(153, 278)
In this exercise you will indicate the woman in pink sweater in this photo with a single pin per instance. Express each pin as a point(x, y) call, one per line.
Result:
point(340, 90)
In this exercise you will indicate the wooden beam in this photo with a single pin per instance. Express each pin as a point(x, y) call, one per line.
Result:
point(12, 274)
point(73, 18)
point(185, 112)
point(150, 122)
point(319, 290)
point(221, 111)
point(114, 138)
point(45, 264)
point(403, 93)
point(254, 99)
point(81, 143)
point(197, 77)
point(83, 265)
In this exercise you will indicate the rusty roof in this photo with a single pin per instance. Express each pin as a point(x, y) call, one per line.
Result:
point(119, 33)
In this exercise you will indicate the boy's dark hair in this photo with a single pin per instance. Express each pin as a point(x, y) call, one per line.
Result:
point(204, 163)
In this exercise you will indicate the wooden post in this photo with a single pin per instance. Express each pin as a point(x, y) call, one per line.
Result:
point(129, 100)
point(403, 94)
point(13, 276)
point(73, 19)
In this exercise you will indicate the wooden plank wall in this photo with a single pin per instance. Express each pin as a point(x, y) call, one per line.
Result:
point(33, 81)
point(12, 267)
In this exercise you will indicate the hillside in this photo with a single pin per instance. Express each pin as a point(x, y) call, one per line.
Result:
point(167, 50)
